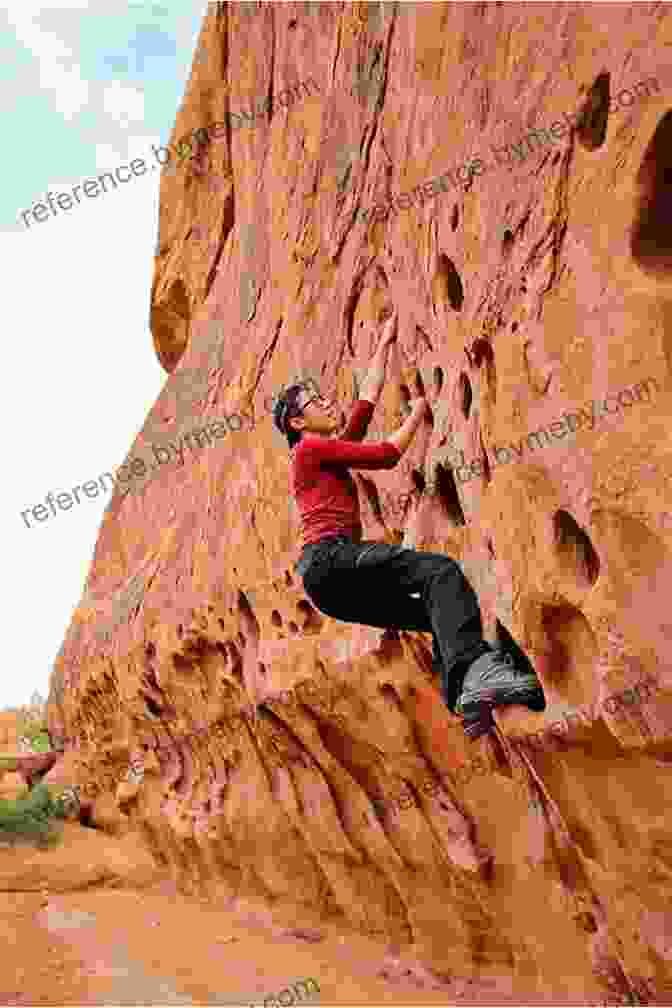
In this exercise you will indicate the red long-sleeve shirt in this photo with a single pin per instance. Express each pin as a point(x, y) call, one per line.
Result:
point(324, 490)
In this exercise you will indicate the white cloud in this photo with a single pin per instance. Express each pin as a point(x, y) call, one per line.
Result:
point(124, 104)
point(89, 377)
point(128, 147)
point(38, 6)
point(59, 73)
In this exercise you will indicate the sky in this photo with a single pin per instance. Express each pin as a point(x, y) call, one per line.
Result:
point(84, 88)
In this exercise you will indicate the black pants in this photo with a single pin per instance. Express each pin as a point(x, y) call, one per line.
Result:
point(372, 583)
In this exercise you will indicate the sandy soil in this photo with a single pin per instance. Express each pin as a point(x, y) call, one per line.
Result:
point(93, 921)
point(156, 946)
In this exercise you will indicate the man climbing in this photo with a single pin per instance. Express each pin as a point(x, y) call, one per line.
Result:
point(375, 583)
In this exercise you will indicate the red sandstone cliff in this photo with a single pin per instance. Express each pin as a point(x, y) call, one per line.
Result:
point(534, 289)
point(11, 722)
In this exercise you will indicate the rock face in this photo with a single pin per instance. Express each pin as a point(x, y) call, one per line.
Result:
point(13, 723)
point(532, 274)
point(10, 729)
point(82, 858)
point(29, 768)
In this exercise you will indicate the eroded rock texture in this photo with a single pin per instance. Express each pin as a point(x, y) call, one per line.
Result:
point(11, 722)
point(535, 288)
point(26, 768)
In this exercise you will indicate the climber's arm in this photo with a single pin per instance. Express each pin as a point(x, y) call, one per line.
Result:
point(402, 438)
point(375, 378)
point(377, 455)
point(317, 452)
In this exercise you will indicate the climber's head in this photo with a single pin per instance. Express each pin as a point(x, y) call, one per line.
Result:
point(300, 409)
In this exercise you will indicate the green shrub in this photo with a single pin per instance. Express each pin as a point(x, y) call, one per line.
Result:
point(35, 730)
point(32, 817)
point(41, 742)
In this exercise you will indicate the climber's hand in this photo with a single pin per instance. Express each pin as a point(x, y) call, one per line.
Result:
point(420, 407)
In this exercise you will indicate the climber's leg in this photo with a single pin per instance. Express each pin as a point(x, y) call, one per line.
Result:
point(492, 681)
point(373, 584)
point(476, 675)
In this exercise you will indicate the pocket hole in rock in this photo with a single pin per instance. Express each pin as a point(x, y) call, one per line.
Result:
point(481, 351)
point(405, 397)
point(419, 480)
point(250, 621)
point(184, 665)
point(86, 817)
point(293, 628)
point(466, 395)
point(575, 549)
point(312, 619)
point(289, 580)
point(371, 491)
point(455, 219)
point(152, 707)
point(591, 129)
point(509, 644)
point(276, 618)
point(446, 493)
point(390, 647)
point(388, 691)
point(651, 237)
point(448, 283)
point(487, 473)
point(507, 242)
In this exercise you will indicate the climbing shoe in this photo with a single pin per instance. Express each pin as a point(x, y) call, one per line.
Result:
point(493, 680)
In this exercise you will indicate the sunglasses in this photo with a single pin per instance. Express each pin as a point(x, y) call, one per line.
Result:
point(322, 400)
point(297, 409)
